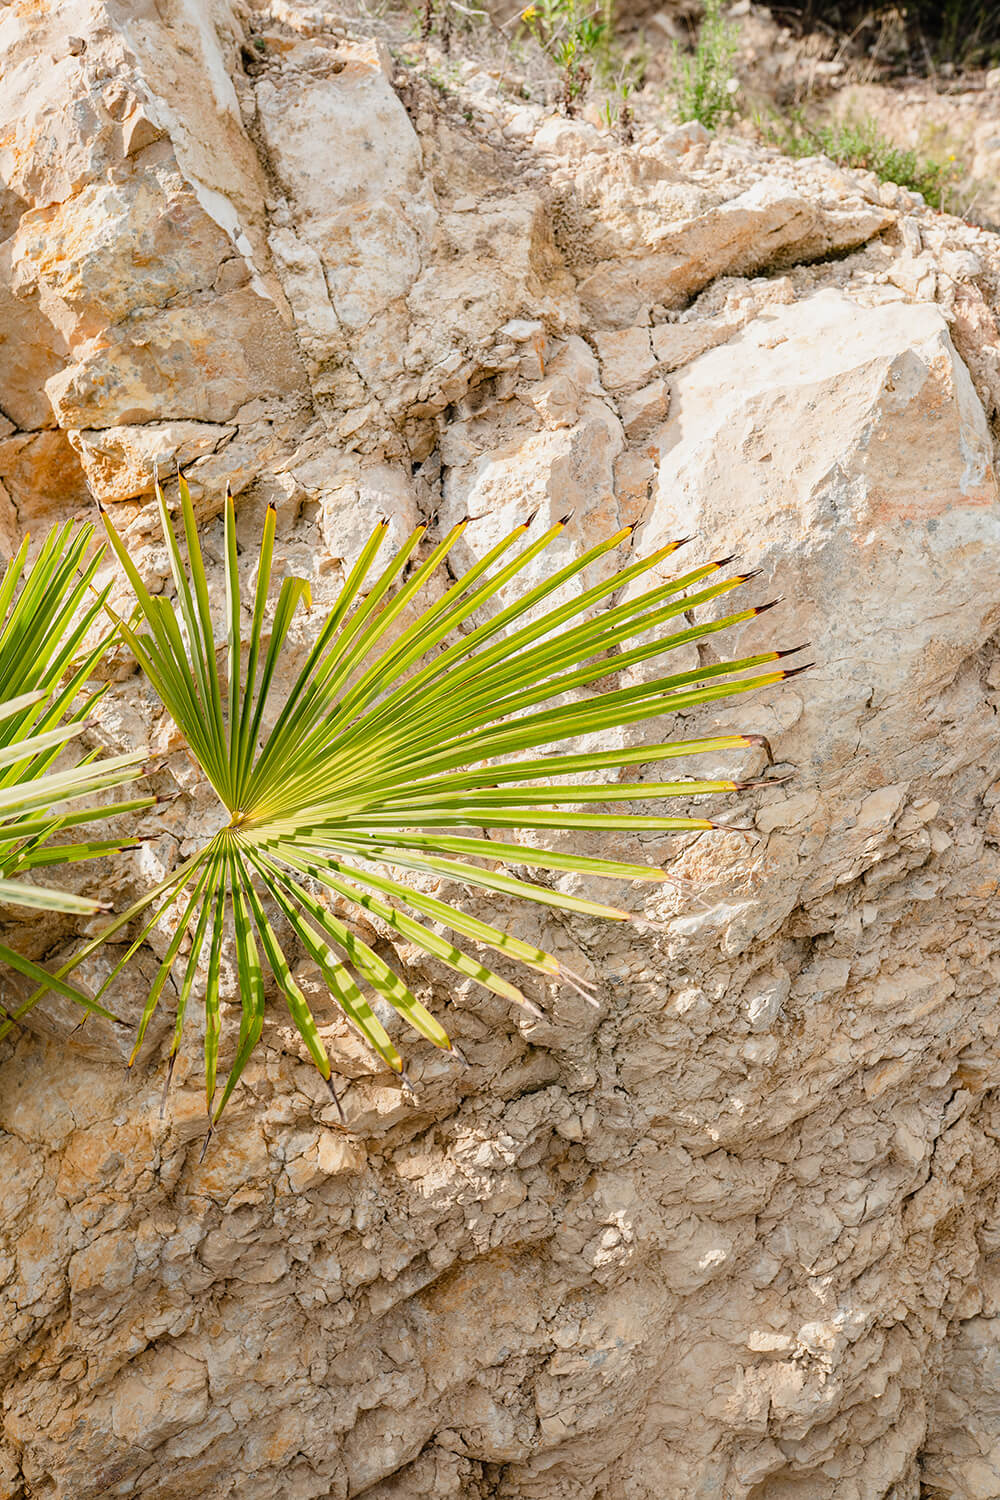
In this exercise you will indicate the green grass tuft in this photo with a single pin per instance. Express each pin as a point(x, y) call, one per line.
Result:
point(703, 81)
point(859, 144)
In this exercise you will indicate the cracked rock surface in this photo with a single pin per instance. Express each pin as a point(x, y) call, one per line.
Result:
point(734, 1233)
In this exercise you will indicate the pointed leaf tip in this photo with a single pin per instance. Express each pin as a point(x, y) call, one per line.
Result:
point(565, 520)
point(759, 781)
point(759, 742)
point(408, 1083)
point(336, 1100)
point(166, 1083)
point(791, 650)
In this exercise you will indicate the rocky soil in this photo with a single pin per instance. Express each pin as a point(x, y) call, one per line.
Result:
point(735, 1233)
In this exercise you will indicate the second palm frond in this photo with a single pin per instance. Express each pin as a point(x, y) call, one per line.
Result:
point(49, 610)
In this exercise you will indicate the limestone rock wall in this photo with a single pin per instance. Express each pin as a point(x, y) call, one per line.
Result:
point(734, 1234)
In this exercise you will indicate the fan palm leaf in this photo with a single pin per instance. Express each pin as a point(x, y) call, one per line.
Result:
point(47, 610)
point(390, 755)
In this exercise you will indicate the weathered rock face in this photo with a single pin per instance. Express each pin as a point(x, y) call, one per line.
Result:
point(733, 1234)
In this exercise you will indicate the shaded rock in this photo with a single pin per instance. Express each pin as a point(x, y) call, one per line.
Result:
point(768, 225)
point(645, 409)
point(42, 476)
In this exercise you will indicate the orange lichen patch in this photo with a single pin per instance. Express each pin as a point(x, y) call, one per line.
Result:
point(42, 475)
point(116, 247)
point(919, 410)
point(458, 1295)
point(634, 475)
point(909, 504)
point(357, 69)
point(236, 1154)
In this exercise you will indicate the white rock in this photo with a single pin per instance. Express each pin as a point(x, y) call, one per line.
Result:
point(626, 358)
point(350, 162)
point(644, 410)
point(571, 139)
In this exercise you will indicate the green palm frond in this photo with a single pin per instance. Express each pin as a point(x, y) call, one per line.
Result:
point(390, 754)
point(47, 610)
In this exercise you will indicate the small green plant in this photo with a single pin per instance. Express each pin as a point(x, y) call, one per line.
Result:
point(859, 144)
point(703, 83)
point(577, 38)
point(408, 742)
point(618, 114)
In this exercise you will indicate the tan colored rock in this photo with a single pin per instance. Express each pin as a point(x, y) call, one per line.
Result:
point(731, 1233)
point(504, 462)
point(42, 476)
point(676, 344)
point(31, 350)
point(203, 359)
point(626, 358)
point(573, 139)
point(120, 462)
point(361, 203)
point(769, 224)
point(494, 265)
point(115, 248)
point(644, 410)
point(302, 275)
point(819, 419)
point(962, 1454)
